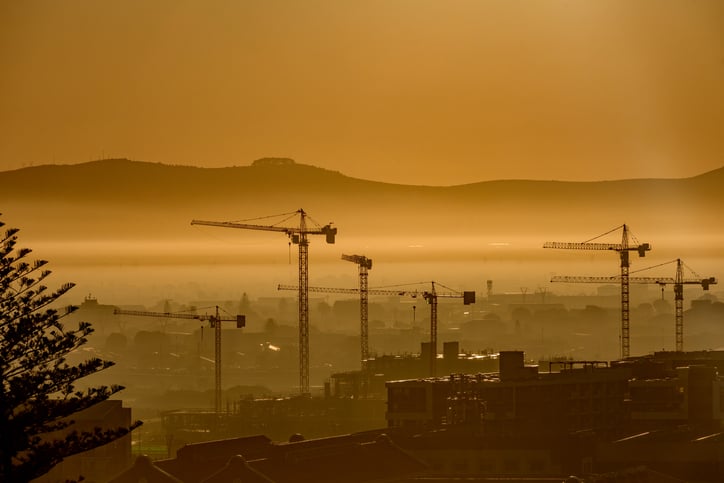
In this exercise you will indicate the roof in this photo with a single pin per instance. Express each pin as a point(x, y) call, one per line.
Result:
point(350, 461)
point(224, 448)
point(354, 458)
point(674, 435)
point(197, 461)
point(100, 411)
point(237, 469)
point(144, 470)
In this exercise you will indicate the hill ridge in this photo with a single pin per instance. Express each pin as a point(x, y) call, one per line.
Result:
point(255, 165)
point(119, 199)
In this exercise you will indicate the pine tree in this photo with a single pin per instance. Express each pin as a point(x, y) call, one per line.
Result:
point(37, 395)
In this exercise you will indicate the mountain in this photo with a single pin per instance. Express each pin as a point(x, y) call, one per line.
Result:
point(118, 199)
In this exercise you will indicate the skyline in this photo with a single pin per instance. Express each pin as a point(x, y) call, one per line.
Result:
point(427, 94)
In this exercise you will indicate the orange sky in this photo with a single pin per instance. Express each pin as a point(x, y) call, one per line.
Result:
point(414, 91)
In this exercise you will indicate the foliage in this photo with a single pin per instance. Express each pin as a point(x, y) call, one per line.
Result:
point(37, 393)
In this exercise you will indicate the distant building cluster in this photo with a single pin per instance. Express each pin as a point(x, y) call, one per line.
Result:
point(485, 416)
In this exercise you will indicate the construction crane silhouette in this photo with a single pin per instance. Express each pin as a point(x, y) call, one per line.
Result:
point(364, 265)
point(678, 281)
point(298, 236)
point(623, 249)
point(430, 296)
point(215, 323)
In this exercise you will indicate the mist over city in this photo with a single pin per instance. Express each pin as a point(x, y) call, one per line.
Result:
point(361, 242)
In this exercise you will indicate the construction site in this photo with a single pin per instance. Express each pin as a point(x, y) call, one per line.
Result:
point(450, 386)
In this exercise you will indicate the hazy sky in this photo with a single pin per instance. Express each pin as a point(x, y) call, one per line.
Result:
point(415, 91)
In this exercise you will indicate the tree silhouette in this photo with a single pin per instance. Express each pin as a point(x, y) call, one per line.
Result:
point(37, 394)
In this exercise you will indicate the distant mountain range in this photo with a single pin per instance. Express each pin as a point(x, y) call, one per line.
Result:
point(120, 199)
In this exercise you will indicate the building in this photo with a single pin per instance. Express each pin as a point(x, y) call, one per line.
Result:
point(670, 389)
point(355, 458)
point(689, 454)
point(517, 400)
point(100, 463)
point(370, 381)
point(276, 418)
point(657, 417)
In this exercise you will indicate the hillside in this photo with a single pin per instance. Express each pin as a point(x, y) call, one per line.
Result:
point(129, 200)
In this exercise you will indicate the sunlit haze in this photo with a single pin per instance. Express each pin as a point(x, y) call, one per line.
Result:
point(423, 92)
point(323, 241)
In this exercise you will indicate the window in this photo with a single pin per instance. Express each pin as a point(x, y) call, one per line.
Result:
point(435, 465)
point(460, 466)
point(510, 466)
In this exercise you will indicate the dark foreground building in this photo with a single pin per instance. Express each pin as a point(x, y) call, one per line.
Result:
point(654, 419)
point(99, 463)
point(584, 418)
point(357, 458)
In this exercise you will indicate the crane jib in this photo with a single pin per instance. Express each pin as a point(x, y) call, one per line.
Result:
point(328, 231)
point(641, 249)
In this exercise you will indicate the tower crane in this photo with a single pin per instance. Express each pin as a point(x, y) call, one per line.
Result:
point(623, 250)
point(364, 265)
point(678, 281)
point(430, 296)
point(297, 235)
point(215, 323)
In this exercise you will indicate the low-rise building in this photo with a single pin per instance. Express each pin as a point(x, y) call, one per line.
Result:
point(676, 388)
point(376, 371)
point(99, 463)
point(660, 415)
point(517, 400)
point(355, 458)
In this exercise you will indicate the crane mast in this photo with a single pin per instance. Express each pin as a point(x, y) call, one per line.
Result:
point(364, 265)
point(678, 281)
point(431, 298)
point(303, 301)
point(298, 236)
point(215, 322)
point(679, 305)
point(623, 249)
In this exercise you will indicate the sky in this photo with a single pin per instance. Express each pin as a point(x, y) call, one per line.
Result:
point(405, 91)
